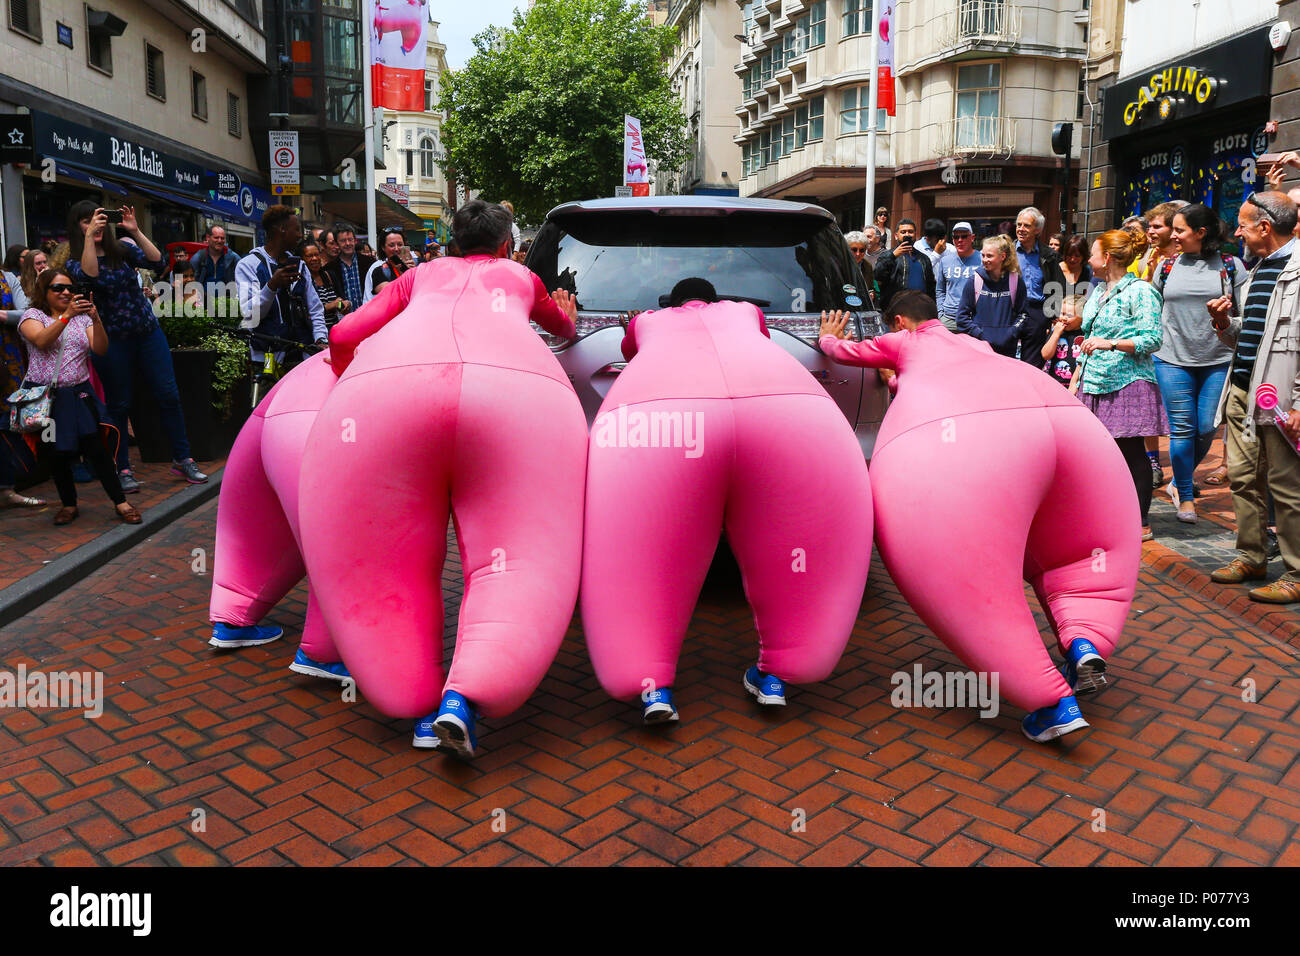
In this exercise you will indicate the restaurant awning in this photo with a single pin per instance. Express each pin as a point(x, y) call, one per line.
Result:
point(350, 205)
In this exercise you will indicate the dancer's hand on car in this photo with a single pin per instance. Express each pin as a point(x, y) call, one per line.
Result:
point(833, 323)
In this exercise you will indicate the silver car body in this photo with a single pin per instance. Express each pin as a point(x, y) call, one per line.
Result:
point(594, 358)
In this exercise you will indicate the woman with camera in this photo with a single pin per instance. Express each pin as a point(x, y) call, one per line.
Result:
point(62, 329)
point(98, 259)
point(334, 304)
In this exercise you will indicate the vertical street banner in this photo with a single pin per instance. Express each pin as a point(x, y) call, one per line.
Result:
point(885, 28)
point(636, 173)
point(397, 52)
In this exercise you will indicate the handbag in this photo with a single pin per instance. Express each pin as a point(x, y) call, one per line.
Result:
point(30, 407)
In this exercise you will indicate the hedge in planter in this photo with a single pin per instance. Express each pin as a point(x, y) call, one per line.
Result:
point(212, 375)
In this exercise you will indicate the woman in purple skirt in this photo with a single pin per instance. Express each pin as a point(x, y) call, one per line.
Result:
point(1121, 328)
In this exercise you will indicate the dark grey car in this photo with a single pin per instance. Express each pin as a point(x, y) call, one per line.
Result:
point(620, 256)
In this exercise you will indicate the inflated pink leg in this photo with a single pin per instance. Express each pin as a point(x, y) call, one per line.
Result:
point(373, 508)
point(518, 526)
point(291, 409)
point(653, 521)
point(1084, 546)
point(952, 521)
point(256, 558)
point(799, 520)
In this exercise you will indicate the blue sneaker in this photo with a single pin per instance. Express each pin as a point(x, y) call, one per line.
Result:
point(426, 735)
point(455, 725)
point(768, 688)
point(1048, 723)
point(1084, 669)
point(302, 664)
point(229, 635)
point(659, 707)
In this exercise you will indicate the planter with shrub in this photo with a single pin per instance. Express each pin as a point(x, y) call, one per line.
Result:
point(212, 375)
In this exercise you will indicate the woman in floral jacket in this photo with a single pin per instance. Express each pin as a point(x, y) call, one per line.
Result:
point(1121, 328)
point(14, 451)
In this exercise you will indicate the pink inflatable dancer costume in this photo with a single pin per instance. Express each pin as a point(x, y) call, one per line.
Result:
point(987, 473)
point(258, 550)
point(713, 425)
point(452, 403)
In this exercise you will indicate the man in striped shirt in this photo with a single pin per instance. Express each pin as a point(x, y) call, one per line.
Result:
point(1262, 459)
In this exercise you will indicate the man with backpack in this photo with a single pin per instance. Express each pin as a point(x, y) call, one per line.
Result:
point(276, 294)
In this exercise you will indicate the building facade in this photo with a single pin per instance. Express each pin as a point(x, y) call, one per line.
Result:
point(978, 86)
point(134, 103)
point(413, 151)
point(702, 74)
point(1185, 113)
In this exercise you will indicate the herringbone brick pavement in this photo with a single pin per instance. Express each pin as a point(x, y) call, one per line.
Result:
point(1177, 770)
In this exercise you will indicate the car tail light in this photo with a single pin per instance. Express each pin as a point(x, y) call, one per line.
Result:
point(588, 322)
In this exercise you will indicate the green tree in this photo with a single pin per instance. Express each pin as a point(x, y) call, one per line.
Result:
point(536, 115)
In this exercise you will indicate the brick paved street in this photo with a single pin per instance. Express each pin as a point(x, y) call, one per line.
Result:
point(1186, 772)
point(28, 538)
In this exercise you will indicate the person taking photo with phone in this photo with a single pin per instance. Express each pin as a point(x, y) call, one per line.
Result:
point(396, 260)
point(61, 329)
point(276, 293)
point(106, 265)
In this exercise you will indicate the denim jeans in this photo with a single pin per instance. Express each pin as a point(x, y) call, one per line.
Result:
point(1191, 396)
point(116, 369)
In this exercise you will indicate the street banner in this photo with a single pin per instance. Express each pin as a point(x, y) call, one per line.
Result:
point(635, 171)
point(885, 28)
point(284, 162)
point(397, 53)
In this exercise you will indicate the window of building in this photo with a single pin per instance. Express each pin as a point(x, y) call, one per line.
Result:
point(747, 20)
point(979, 97)
point(1083, 90)
point(854, 111)
point(233, 122)
point(857, 17)
point(428, 94)
point(787, 136)
point(410, 162)
point(99, 44)
point(809, 121)
point(765, 68)
point(155, 80)
point(764, 148)
point(426, 158)
point(199, 95)
point(754, 79)
point(25, 18)
point(817, 24)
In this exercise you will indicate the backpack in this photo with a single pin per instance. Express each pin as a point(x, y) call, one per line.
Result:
point(1227, 276)
point(979, 285)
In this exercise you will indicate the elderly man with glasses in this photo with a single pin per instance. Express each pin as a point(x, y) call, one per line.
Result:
point(1262, 459)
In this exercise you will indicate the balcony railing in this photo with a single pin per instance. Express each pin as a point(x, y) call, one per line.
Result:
point(980, 21)
point(976, 136)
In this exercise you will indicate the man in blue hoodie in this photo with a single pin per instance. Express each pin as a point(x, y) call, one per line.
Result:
point(957, 264)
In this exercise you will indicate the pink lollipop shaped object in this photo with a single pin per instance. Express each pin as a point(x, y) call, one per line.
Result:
point(1266, 399)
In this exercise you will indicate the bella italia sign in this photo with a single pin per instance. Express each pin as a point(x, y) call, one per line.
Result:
point(115, 156)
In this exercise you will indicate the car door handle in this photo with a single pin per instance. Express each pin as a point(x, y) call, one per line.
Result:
point(613, 368)
point(824, 376)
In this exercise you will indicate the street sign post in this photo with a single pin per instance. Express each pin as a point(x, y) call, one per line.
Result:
point(284, 163)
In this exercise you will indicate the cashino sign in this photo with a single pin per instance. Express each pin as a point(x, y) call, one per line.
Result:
point(1233, 72)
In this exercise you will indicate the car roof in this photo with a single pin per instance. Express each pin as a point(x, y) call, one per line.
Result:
point(669, 204)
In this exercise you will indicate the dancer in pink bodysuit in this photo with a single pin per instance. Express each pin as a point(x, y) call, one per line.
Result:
point(986, 473)
point(448, 401)
point(258, 550)
point(713, 425)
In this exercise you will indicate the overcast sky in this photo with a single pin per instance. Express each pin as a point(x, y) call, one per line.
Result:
point(459, 22)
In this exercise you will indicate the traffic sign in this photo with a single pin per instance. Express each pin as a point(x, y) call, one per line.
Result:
point(284, 162)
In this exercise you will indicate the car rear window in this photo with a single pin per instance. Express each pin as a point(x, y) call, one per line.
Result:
point(624, 261)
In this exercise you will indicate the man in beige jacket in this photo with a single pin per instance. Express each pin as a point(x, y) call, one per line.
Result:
point(1262, 459)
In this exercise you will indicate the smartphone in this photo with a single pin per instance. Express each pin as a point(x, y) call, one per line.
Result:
point(114, 216)
point(290, 260)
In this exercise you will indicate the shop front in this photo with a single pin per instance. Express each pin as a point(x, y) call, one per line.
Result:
point(175, 199)
point(1192, 128)
point(988, 194)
